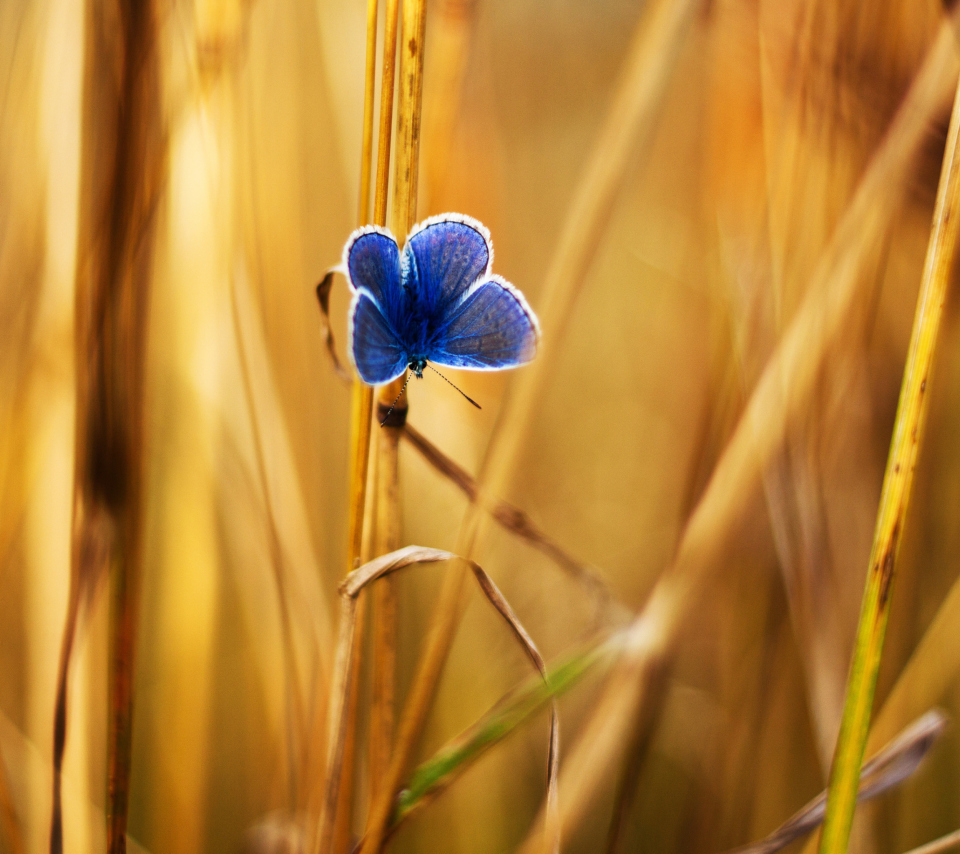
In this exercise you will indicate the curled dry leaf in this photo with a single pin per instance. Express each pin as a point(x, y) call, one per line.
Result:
point(323, 298)
point(350, 590)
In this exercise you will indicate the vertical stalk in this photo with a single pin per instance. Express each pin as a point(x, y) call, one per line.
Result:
point(121, 168)
point(387, 538)
point(403, 216)
point(894, 500)
point(341, 813)
point(335, 819)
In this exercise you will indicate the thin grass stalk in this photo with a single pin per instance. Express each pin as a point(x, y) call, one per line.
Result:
point(944, 843)
point(383, 601)
point(369, 92)
point(404, 210)
point(629, 125)
point(295, 710)
point(8, 814)
point(335, 817)
point(782, 390)
point(386, 498)
point(894, 501)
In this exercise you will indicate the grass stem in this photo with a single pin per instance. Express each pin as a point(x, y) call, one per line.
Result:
point(894, 501)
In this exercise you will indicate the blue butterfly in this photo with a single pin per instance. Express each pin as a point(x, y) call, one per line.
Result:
point(436, 301)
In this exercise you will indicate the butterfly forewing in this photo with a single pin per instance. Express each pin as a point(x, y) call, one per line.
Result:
point(443, 258)
point(372, 260)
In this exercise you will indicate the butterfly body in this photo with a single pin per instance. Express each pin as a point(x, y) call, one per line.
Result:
point(436, 301)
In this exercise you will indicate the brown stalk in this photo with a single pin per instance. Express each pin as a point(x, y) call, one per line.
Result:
point(887, 769)
point(629, 125)
point(783, 389)
point(121, 169)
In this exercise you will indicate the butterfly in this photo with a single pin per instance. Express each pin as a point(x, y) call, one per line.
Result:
point(434, 301)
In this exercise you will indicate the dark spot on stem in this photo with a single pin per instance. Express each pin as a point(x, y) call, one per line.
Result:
point(923, 385)
point(886, 565)
point(896, 469)
point(412, 46)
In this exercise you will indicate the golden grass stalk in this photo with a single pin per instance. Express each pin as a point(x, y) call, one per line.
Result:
point(890, 767)
point(386, 498)
point(894, 501)
point(406, 166)
point(629, 124)
point(335, 817)
point(783, 390)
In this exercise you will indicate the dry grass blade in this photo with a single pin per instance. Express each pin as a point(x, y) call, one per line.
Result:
point(894, 500)
point(944, 843)
point(781, 391)
point(514, 520)
point(890, 767)
point(552, 829)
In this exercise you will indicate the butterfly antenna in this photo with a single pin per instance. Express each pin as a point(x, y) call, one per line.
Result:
point(393, 405)
point(432, 368)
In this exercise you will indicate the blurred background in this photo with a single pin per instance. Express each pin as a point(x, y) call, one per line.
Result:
point(248, 117)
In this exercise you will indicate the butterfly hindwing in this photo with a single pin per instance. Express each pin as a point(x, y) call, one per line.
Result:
point(377, 353)
point(491, 328)
point(443, 257)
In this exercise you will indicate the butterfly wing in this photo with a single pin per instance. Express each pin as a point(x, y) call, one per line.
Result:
point(443, 257)
point(371, 259)
point(374, 347)
point(490, 329)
